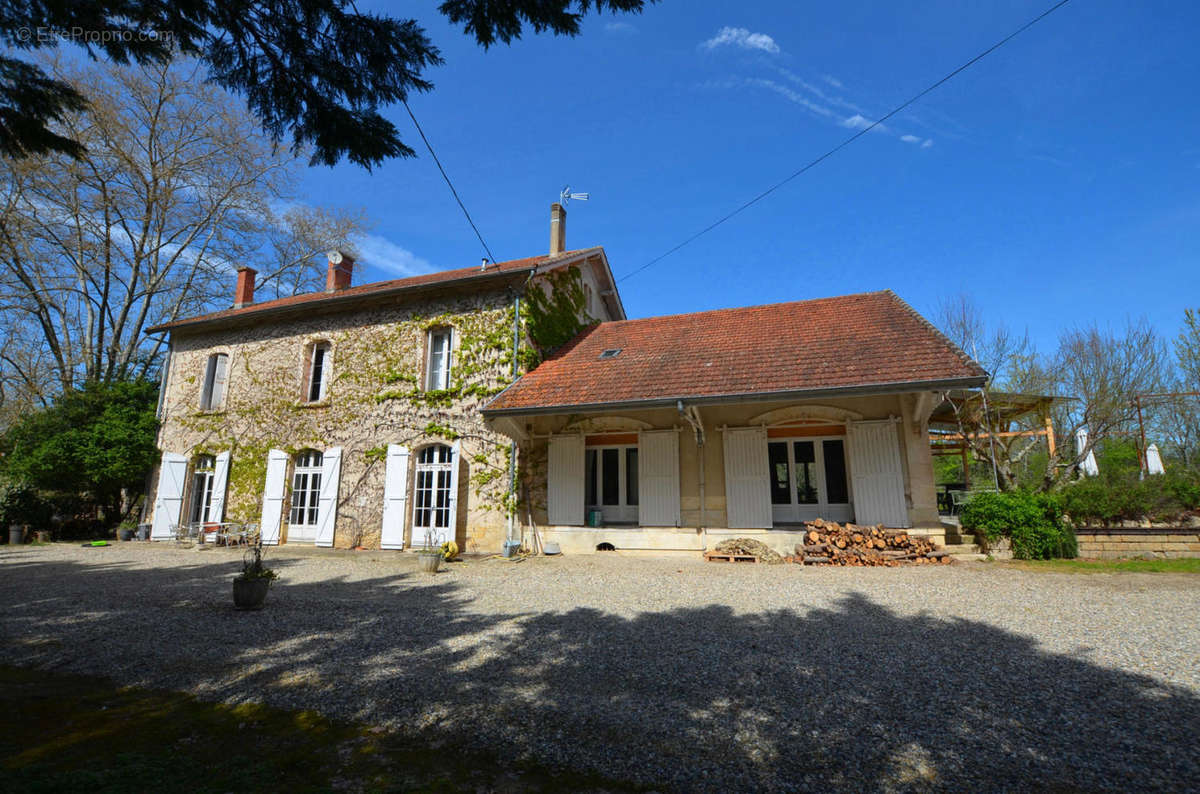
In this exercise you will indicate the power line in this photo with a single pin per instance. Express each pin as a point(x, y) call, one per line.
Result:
point(463, 207)
point(852, 138)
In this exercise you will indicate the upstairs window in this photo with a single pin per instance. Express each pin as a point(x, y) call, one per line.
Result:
point(212, 397)
point(317, 377)
point(437, 368)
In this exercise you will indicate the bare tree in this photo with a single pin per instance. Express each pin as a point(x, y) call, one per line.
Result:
point(176, 187)
point(1104, 369)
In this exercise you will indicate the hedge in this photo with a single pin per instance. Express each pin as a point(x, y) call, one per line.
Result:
point(1117, 497)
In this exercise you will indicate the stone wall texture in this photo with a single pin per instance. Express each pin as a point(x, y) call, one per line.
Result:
point(1123, 543)
point(374, 398)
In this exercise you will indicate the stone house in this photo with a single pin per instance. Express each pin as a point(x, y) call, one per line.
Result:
point(351, 417)
point(672, 433)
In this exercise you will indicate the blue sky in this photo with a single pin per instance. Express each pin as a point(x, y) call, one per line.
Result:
point(1056, 182)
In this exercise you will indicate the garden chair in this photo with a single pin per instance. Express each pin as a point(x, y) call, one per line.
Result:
point(957, 500)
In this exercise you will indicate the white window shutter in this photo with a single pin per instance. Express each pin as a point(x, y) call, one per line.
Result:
point(331, 474)
point(451, 532)
point(168, 496)
point(565, 480)
point(877, 474)
point(395, 497)
point(658, 478)
point(273, 492)
point(747, 479)
point(216, 505)
point(220, 379)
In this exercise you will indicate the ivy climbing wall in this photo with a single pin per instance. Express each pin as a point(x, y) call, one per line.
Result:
point(375, 370)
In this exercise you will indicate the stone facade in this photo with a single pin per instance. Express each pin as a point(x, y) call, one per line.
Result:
point(374, 398)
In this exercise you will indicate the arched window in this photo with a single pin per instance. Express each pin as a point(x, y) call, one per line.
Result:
point(431, 505)
point(216, 373)
point(202, 488)
point(438, 345)
point(306, 493)
point(316, 372)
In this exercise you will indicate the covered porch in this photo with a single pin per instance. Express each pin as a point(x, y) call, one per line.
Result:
point(682, 478)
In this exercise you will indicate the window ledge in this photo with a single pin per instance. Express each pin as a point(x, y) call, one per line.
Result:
point(209, 411)
point(312, 405)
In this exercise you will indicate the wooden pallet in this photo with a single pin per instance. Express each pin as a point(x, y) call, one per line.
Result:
point(716, 556)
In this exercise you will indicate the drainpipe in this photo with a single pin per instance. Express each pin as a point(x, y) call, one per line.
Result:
point(692, 414)
point(512, 452)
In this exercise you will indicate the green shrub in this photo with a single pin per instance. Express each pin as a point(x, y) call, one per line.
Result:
point(20, 503)
point(1032, 522)
point(1123, 496)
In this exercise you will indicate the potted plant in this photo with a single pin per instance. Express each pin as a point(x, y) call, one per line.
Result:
point(429, 556)
point(126, 530)
point(251, 585)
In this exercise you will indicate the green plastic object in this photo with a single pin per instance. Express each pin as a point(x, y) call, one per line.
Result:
point(95, 543)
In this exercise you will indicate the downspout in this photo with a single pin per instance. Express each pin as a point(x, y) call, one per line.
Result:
point(692, 414)
point(510, 530)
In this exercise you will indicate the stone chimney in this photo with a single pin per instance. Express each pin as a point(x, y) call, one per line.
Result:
point(244, 295)
point(341, 267)
point(558, 229)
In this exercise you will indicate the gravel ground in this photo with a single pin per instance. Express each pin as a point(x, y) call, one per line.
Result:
point(669, 672)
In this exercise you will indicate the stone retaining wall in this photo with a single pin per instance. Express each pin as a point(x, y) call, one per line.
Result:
point(1110, 543)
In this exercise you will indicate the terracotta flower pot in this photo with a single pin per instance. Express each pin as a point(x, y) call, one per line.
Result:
point(250, 593)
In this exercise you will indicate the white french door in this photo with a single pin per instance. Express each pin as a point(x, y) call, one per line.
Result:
point(808, 479)
point(433, 511)
point(611, 483)
point(306, 494)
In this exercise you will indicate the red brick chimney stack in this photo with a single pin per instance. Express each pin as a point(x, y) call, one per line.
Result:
point(244, 295)
point(341, 267)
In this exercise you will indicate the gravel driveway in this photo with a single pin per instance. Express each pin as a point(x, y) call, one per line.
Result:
point(669, 672)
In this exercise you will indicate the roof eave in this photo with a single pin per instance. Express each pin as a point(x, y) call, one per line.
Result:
point(869, 389)
point(335, 302)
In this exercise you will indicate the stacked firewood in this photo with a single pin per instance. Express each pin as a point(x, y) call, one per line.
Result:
point(830, 543)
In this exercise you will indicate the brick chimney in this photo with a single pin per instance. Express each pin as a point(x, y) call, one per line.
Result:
point(558, 229)
point(341, 267)
point(244, 295)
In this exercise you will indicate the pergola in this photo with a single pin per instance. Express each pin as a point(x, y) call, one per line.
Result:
point(1003, 409)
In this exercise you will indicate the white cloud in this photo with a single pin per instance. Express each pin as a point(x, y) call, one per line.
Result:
point(860, 122)
point(743, 38)
point(927, 144)
point(910, 138)
point(382, 253)
point(833, 81)
point(836, 101)
point(790, 95)
point(619, 27)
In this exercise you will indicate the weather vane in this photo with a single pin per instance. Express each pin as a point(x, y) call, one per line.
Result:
point(566, 195)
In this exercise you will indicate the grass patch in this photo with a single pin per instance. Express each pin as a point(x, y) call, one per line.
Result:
point(1187, 565)
point(61, 733)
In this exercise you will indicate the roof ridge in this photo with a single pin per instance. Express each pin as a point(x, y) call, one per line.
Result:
point(727, 309)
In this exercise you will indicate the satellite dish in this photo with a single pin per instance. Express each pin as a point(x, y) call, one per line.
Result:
point(335, 257)
point(566, 195)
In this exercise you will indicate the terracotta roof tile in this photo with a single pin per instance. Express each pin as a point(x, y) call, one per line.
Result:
point(856, 341)
point(446, 277)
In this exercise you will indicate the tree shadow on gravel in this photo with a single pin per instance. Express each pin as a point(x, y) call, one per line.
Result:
point(856, 697)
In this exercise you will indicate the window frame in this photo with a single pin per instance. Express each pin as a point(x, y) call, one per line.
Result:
point(307, 463)
point(447, 358)
point(207, 387)
point(325, 347)
point(204, 469)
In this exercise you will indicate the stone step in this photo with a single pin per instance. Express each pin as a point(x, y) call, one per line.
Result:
point(961, 548)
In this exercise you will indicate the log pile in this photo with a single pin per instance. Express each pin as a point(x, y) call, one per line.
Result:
point(830, 543)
